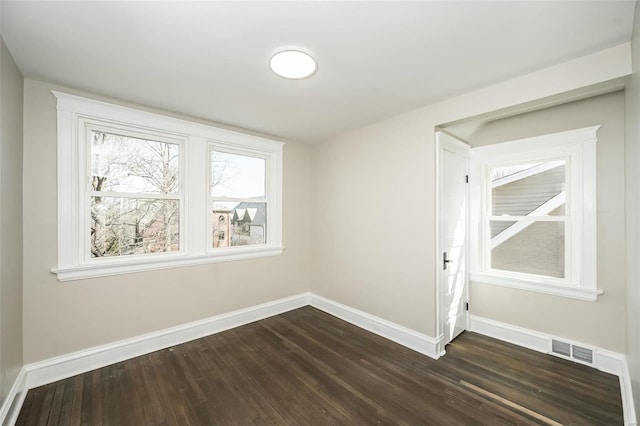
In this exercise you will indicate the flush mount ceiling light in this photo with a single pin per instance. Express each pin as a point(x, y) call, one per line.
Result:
point(293, 64)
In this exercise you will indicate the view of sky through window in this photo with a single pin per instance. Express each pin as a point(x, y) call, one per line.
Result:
point(237, 176)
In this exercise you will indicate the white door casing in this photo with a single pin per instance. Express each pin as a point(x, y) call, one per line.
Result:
point(452, 231)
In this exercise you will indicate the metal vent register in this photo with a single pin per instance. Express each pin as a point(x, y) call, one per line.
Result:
point(573, 352)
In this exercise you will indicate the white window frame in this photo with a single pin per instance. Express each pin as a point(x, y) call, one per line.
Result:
point(76, 115)
point(578, 148)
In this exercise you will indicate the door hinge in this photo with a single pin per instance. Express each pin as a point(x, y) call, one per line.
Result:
point(466, 178)
point(445, 260)
point(466, 306)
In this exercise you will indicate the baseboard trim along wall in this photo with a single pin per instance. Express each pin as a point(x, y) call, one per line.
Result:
point(69, 365)
point(13, 402)
point(65, 366)
point(419, 342)
point(603, 360)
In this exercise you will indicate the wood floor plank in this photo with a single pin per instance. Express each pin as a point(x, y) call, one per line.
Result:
point(47, 404)
point(306, 367)
point(75, 414)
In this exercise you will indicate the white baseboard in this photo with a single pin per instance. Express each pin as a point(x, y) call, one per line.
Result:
point(509, 333)
point(628, 406)
point(13, 402)
point(607, 361)
point(69, 365)
point(614, 363)
point(62, 367)
point(65, 366)
point(422, 343)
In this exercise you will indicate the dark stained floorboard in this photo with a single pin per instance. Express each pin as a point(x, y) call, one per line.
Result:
point(307, 367)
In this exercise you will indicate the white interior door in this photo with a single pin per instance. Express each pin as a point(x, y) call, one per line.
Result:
point(453, 241)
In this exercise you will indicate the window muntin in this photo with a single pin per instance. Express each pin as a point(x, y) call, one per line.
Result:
point(239, 198)
point(134, 198)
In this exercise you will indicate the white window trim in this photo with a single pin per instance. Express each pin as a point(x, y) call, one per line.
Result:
point(75, 112)
point(579, 146)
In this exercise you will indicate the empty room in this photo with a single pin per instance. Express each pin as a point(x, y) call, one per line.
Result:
point(319, 212)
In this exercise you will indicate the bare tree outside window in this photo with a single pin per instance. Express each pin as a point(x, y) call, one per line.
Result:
point(135, 200)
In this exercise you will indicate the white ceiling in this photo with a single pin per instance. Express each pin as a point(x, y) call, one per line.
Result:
point(376, 59)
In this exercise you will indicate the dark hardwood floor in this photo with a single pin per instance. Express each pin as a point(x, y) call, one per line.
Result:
point(307, 367)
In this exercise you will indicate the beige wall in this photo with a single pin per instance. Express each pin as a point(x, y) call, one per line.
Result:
point(385, 173)
point(64, 317)
point(633, 213)
point(600, 323)
point(373, 244)
point(11, 84)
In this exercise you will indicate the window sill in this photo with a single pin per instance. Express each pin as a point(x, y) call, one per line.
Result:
point(590, 295)
point(144, 265)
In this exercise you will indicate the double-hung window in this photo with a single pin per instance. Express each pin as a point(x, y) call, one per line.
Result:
point(533, 214)
point(139, 191)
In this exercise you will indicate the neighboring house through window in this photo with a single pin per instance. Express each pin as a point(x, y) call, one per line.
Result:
point(533, 205)
point(132, 191)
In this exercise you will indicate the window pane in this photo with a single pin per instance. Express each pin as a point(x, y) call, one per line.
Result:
point(126, 164)
point(239, 224)
point(533, 248)
point(237, 176)
point(536, 189)
point(498, 226)
point(125, 226)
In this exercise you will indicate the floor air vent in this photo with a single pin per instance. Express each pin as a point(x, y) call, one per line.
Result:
point(573, 352)
point(560, 348)
point(583, 354)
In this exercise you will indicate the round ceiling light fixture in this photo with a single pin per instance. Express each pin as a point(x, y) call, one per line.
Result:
point(293, 64)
